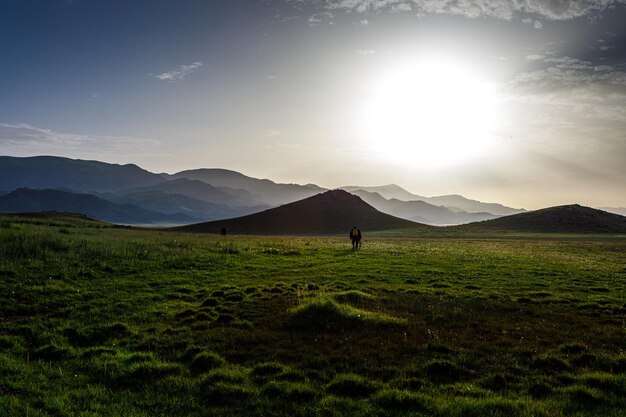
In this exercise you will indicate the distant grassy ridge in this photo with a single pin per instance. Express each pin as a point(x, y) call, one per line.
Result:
point(562, 219)
point(99, 320)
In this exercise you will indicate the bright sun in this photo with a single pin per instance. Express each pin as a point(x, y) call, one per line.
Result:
point(429, 113)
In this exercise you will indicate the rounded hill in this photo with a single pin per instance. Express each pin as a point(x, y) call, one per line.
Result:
point(331, 212)
point(560, 219)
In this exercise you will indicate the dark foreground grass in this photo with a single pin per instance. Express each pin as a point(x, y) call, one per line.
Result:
point(108, 321)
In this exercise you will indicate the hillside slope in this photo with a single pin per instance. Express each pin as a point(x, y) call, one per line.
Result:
point(561, 219)
point(327, 213)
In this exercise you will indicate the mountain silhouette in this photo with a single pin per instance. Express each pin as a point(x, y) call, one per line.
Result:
point(172, 203)
point(454, 202)
point(420, 211)
point(561, 219)
point(271, 192)
point(204, 192)
point(25, 200)
point(49, 172)
point(326, 213)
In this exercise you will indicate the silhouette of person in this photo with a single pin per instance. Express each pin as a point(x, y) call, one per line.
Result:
point(355, 237)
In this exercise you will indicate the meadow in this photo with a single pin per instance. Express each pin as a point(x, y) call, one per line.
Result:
point(98, 320)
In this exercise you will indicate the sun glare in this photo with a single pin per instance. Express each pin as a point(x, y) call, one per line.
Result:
point(429, 113)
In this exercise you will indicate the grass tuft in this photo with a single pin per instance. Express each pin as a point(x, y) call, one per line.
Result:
point(573, 349)
point(351, 385)
point(539, 389)
point(205, 361)
point(444, 371)
point(353, 296)
point(486, 407)
point(289, 391)
point(401, 400)
point(267, 369)
point(582, 397)
point(323, 313)
point(224, 375)
point(51, 352)
point(550, 364)
point(222, 393)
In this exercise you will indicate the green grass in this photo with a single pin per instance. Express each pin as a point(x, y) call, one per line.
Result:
point(107, 321)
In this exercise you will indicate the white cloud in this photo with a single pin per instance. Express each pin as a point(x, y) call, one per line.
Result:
point(323, 18)
point(572, 112)
point(23, 139)
point(365, 22)
point(366, 51)
point(179, 73)
point(501, 9)
point(401, 7)
point(571, 73)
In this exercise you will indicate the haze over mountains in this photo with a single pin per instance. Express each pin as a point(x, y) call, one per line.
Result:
point(128, 194)
point(455, 203)
point(27, 200)
point(420, 211)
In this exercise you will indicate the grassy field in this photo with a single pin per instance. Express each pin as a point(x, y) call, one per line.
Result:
point(96, 320)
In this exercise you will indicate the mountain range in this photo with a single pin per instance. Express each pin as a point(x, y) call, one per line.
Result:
point(25, 200)
point(270, 192)
point(128, 194)
point(455, 203)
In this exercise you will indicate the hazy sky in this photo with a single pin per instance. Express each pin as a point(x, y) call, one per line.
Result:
point(521, 102)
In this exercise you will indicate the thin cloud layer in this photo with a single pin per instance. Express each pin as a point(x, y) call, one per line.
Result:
point(500, 9)
point(179, 73)
point(25, 139)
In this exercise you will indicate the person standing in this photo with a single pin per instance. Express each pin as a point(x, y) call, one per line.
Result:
point(355, 237)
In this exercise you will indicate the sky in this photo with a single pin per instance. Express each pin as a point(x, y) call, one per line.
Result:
point(520, 102)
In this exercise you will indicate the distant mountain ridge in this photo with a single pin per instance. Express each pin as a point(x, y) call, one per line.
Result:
point(172, 203)
point(202, 191)
point(24, 200)
point(188, 197)
point(454, 202)
point(49, 172)
point(272, 193)
point(420, 211)
point(331, 212)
